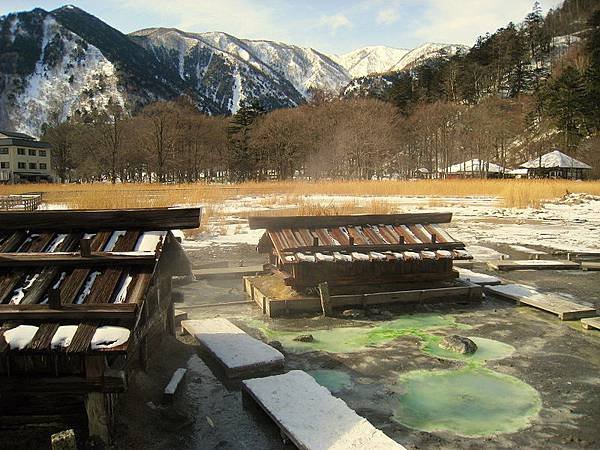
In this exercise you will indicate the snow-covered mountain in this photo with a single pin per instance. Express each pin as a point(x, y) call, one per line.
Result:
point(56, 64)
point(424, 52)
point(368, 60)
point(279, 74)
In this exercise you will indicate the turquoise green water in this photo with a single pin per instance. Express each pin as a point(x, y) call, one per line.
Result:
point(469, 402)
point(354, 339)
point(334, 380)
point(487, 350)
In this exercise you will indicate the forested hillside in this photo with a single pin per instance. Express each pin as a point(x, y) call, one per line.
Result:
point(517, 93)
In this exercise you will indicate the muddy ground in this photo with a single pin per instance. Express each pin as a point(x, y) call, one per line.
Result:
point(558, 359)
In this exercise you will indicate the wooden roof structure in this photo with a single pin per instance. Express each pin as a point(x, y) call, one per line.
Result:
point(61, 267)
point(357, 239)
point(78, 289)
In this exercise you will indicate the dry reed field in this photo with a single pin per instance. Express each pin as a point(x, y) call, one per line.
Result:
point(510, 193)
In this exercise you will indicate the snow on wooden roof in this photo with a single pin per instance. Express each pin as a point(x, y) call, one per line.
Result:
point(475, 165)
point(555, 159)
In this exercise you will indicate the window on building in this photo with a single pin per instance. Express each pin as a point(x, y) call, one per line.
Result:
point(21, 165)
point(4, 165)
point(32, 152)
point(32, 165)
point(42, 152)
point(3, 150)
point(20, 151)
point(43, 166)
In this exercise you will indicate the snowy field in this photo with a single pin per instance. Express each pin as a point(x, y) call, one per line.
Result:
point(568, 224)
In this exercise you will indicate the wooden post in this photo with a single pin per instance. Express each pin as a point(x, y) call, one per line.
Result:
point(85, 248)
point(54, 298)
point(350, 240)
point(96, 406)
point(315, 241)
point(325, 304)
point(65, 440)
point(433, 238)
point(401, 239)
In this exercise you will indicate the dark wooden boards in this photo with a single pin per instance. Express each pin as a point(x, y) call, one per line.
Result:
point(74, 259)
point(97, 311)
point(257, 222)
point(145, 219)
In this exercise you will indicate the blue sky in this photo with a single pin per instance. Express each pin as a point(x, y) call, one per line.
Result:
point(333, 26)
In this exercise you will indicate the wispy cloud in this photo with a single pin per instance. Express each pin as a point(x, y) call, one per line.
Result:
point(335, 22)
point(388, 16)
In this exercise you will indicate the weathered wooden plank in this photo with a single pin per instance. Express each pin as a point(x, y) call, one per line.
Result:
point(541, 264)
point(99, 311)
point(563, 308)
point(146, 219)
point(227, 272)
point(341, 221)
point(238, 353)
point(173, 384)
point(74, 259)
point(112, 381)
point(591, 323)
point(590, 265)
point(311, 417)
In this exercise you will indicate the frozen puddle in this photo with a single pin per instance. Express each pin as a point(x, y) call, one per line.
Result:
point(470, 402)
point(313, 418)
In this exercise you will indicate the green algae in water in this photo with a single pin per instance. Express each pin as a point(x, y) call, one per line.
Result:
point(355, 339)
point(334, 380)
point(471, 402)
point(487, 350)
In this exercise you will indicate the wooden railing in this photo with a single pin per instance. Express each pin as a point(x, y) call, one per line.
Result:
point(24, 202)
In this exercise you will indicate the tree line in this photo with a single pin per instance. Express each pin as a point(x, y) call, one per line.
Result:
point(509, 98)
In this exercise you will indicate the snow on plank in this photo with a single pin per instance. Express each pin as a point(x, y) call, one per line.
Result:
point(563, 308)
point(533, 264)
point(481, 279)
point(237, 352)
point(311, 417)
point(591, 323)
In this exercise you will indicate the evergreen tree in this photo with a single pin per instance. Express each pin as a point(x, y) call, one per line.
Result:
point(243, 163)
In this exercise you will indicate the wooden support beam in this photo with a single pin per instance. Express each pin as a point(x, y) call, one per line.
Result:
point(112, 381)
point(274, 223)
point(85, 248)
point(84, 312)
point(75, 259)
point(325, 299)
point(145, 219)
point(54, 299)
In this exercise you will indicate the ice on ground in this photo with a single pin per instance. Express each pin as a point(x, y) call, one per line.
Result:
point(481, 253)
point(19, 337)
point(63, 336)
point(313, 417)
point(109, 337)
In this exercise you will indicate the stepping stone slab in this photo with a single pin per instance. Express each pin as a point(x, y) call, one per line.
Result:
point(311, 417)
point(563, 308)
point(528, 264)
point(481, 279)
point(237, 352)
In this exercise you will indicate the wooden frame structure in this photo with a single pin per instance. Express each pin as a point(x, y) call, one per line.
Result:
point(360, 250)
point(92, 288)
